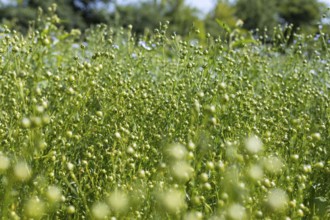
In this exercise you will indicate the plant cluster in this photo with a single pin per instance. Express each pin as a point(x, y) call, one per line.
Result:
point(157, 127)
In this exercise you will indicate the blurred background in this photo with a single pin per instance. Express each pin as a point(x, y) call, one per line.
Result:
point(210, 17)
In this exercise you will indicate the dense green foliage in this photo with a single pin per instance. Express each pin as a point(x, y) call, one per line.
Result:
point(158, 127)
point(146, 17)
point(269, 13)
point(73, 13)
point(258, 13)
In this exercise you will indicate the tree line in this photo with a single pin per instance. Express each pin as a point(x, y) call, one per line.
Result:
point(255, 15)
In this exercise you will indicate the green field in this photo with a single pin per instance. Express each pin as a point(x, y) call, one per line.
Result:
point(107, 125)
